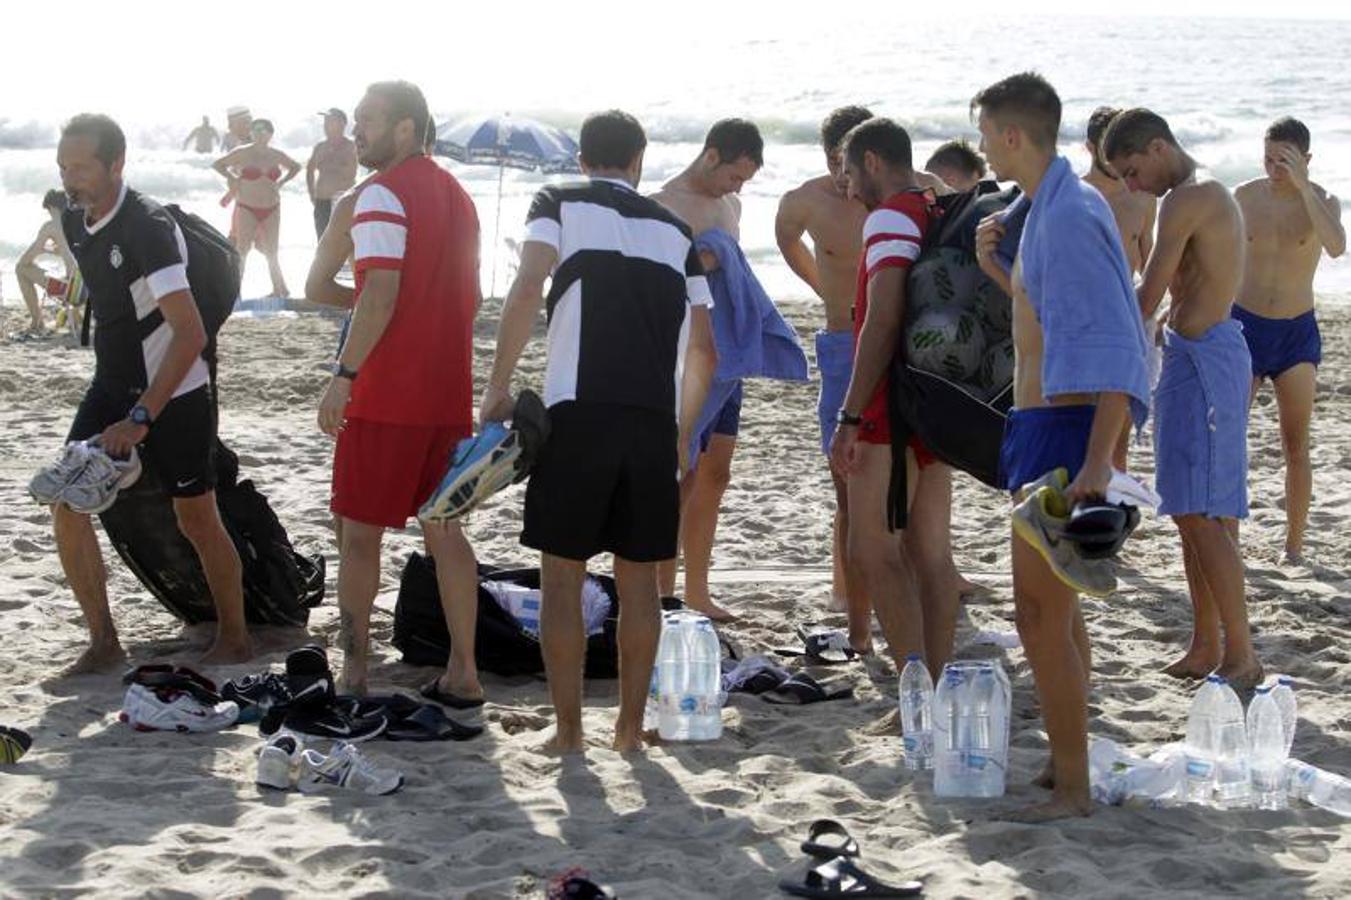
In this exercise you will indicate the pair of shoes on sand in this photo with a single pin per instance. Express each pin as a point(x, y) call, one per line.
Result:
point(285, 763)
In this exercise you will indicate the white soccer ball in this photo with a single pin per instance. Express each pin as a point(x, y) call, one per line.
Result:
point(996, 369)
point(943, 277)
point(948, 342)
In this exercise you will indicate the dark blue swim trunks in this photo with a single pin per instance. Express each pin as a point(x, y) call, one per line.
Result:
point(1041, 439)
point(727, 421)
point(1278, 345)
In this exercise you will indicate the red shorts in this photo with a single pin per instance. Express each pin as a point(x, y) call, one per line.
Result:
point(383, 472)
point(876, 427)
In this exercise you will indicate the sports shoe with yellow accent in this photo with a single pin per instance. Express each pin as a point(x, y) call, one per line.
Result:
point(1040, 520)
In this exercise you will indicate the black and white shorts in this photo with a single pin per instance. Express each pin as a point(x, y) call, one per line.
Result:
point(181, 445)
point(606, 481)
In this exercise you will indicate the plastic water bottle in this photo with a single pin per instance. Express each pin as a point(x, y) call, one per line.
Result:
point(1233, 781)
point(1283, 692)
point(689, 705)
point(971, 724)
point(1323, 789)
point(916, 704)
point(1266, 750)
point(1117, 777)
point(1202, 741)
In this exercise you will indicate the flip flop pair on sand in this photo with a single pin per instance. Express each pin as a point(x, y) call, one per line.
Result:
point(836, 872)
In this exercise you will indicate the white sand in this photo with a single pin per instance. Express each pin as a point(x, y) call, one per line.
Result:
point(98, 809)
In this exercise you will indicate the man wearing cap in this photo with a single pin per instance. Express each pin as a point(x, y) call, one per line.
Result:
point(238, 128)
point(332, 169)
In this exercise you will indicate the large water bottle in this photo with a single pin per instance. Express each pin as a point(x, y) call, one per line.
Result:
point(1202, 741)
point(1283, 692)
point(689, 679)
point(1323, 789)
point(1118, 777)
point(916, 703)
point(1266, 750)
point(971, 723)
point(1233, 781)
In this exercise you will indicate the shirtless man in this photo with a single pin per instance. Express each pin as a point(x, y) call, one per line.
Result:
point(1078, 376)
point(203, 137)
point(49, 240)
point(821, 209)
point(958, 164)
point(1290, 221)
point(704, 196)
point(1201, 403)
point(238, 128)
point(1134, 212)
point(332, 167)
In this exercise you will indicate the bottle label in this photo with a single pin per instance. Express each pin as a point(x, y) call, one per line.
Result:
point(911, 744)
point(1199, 768)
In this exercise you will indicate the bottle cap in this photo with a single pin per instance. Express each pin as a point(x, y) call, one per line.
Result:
point(1215, 679)
point(913, 657)
point(1262, 689)
point(1285, 680)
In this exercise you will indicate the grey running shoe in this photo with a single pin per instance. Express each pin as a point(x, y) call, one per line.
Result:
point(277, 762)
point(96, 486)
point(49, 482)
point(1040, 520)
point(344, 769)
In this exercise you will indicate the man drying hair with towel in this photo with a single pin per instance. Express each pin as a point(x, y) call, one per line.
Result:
point(1201, 406)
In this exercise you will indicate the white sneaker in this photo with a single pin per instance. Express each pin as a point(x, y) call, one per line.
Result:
point(144, 710)
point(278, 760)
point(345, 768)
point(95, 487)
point(50, 481)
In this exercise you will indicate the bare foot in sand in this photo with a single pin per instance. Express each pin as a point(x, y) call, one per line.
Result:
point(227, 653)
point(564, 745)
point(967, 589)
point(1053, 810)
point(352, 680)
point(708, 608)
point(1293, 558)
point(1193, 665)
point(96, 658)
point(1046, 778)
point(634, 742)
point(1242, 676)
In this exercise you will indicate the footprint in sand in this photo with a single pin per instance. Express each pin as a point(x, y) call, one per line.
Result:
point(520, 722)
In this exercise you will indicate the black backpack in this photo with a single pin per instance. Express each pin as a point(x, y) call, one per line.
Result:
point(958, 426)
point(501, 645)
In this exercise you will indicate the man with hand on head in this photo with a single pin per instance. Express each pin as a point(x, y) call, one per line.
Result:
point(331, 169)
point(630, 359)
point(1201, 403)
point(1290, 222)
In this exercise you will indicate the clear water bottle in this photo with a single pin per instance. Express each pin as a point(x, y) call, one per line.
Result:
point(916, 705)
point(1202, 741)
point(1117, 777)
point(1283, 692)
point(689, 679)
point(1266, 750)
point(971, 724)
point(1323, 789)
point(1233, 780)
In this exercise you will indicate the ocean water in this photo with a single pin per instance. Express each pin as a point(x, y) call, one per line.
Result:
point(1219, 83)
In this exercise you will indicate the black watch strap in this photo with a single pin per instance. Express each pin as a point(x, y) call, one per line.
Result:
point(139, 415)
point(844, 418)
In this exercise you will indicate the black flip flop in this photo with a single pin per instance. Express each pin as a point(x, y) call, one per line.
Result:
point(829, 648)
point(828, 839)
point(429, 723)
point(840, 877)
point(432, 691)
point(802, 689)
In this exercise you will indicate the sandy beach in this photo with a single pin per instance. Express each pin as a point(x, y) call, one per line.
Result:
point(97, 809)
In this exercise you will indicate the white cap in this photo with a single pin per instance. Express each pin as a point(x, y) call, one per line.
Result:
point(236, 111)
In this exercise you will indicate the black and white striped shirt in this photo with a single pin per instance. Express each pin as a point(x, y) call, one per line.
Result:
point(619, 306)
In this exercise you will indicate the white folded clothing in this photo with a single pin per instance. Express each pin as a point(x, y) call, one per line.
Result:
point(522, 604)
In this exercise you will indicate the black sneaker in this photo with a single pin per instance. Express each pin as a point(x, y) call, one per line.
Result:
point(308, 677)
point(263, 691)
point(333, 722)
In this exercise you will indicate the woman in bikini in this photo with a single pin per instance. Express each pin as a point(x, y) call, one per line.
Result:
point(255, 175)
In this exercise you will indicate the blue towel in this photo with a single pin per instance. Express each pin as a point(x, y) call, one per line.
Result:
point(1014, 218)
point(1079, 283)
point(752, 338)
point(1201, 423)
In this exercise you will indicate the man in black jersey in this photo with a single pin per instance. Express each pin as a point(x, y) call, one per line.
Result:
point(150, 388)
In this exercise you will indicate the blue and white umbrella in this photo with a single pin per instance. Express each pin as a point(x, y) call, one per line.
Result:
point(507, 142)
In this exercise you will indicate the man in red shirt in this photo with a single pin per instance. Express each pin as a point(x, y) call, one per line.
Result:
point(402, 390)
point(877, 163)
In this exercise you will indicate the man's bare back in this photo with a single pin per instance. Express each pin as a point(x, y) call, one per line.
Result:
point(1134, 212)
point(1282, 249)
point(1201, 222)
point(835, 225)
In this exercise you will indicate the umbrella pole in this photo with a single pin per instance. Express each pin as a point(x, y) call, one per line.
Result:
point(497, 224)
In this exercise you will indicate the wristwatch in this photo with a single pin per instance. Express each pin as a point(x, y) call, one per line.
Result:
point(139, 415)
point(341, 371)
point(844, 418)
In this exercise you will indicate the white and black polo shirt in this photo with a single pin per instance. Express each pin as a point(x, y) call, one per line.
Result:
point(619, 305)
point(130, 259)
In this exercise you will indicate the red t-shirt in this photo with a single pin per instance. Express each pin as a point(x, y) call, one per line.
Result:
point(416, 218)
point(892, 235)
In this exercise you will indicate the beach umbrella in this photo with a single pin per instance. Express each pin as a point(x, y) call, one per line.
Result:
point(507, 142)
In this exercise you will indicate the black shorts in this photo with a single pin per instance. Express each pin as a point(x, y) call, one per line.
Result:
point(181, 445)
point(605, 482)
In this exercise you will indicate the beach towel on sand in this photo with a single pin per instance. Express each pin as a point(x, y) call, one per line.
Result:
point(1201, 423)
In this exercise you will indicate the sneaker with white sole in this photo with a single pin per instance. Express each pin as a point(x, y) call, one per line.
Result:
point(50, 481)
point(344, 769)
point(1040, 521)
point(481, 466)
point(146, 710)
point(96, 486)
point(278, 761)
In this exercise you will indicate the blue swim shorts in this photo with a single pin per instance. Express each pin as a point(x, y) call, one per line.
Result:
point(835, 360)
point(1278, 345)
point(1041, 439)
